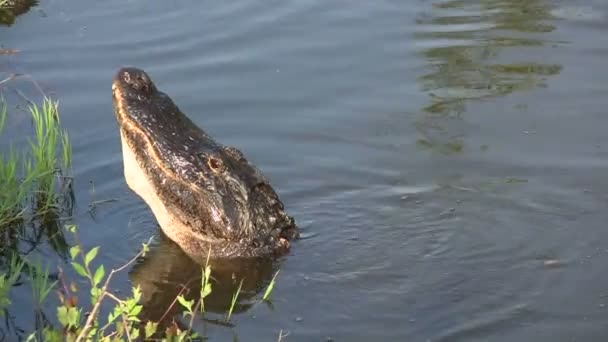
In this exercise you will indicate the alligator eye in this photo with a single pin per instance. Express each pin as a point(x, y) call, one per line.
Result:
point(214, 164)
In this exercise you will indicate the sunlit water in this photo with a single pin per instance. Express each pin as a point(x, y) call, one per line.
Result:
point(446, 160)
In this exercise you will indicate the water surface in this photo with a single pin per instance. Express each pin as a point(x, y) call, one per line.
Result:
point(447, 159)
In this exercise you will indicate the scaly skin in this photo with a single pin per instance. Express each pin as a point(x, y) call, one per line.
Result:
point(206, 197)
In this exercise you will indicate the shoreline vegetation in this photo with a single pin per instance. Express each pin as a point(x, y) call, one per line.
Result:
point(36, 207)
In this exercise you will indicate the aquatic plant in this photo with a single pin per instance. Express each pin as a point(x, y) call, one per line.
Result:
point(36, 181)
point(36, 198)
point(122, 322)
point(235, 296)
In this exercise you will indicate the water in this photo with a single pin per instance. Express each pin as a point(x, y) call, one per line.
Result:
point(447, 159)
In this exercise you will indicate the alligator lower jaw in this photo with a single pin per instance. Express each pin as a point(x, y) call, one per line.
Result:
point(138, 181)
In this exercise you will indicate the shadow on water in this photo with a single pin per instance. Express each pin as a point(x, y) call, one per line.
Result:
point(166, 272)
point(10, 9)
point(470, 54)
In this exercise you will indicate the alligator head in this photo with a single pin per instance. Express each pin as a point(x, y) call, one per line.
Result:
point(205, 196)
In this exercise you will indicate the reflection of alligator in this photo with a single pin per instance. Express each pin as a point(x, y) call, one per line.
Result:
point(167, 271)
point(9, 9)
point(205, 196)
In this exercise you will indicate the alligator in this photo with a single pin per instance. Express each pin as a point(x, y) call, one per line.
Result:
point(207, 197)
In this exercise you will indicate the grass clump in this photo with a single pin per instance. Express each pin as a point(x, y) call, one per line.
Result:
point(35, 181)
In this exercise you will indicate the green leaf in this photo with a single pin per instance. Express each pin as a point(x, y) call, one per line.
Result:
point(62, 315)
point(74, 250)
point(112, 316)
point(91, 255)
point(92, 333)
point(134, 334)
point(135, 310)
point(71, 228)
point(144, 249)
point(150, 329)
point(68, 317)
point(98, 276)
point(51, 335)
point(74, 316)
point(270, 287)
point(136, 294)
point(79, 269)
point(206, 291)
point(185, 303)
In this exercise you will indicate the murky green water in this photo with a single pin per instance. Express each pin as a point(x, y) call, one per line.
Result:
point(448, 160)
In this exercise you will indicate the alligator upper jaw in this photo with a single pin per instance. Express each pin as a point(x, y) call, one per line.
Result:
point(134, 143)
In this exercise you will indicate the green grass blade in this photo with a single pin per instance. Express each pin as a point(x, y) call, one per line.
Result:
point(270, 287)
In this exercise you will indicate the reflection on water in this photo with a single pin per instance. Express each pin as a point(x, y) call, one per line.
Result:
point(166, 271)
point(409, 244)
point(479, 49)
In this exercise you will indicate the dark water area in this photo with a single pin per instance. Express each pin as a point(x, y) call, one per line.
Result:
point(446, 160)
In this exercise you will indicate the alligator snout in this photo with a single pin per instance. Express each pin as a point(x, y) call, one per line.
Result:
point(135, 79)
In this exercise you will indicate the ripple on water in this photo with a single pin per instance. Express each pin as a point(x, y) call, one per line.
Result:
point(578, 13)
point(407, 220)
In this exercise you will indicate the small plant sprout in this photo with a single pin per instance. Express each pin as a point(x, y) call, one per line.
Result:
point(41, 287)
point(235, 296)
point(7, 281)
point(205, 283)
point(270, 287)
